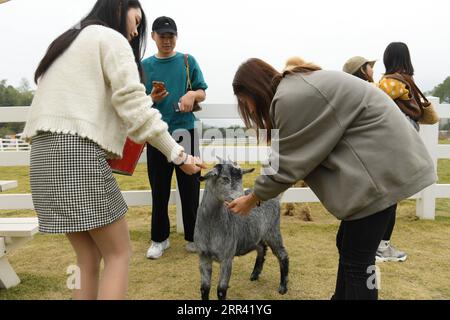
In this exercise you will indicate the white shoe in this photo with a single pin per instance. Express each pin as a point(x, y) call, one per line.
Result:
point(157, 249)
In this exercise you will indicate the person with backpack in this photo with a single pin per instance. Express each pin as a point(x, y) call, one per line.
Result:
point(176, 84)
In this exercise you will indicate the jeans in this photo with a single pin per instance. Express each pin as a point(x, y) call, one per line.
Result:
point(357, 242)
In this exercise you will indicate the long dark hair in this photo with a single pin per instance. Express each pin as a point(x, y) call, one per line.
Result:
point(108, 13)
point(398, 59)
point(259, 81)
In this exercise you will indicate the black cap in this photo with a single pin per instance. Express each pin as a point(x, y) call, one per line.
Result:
point(165, 25)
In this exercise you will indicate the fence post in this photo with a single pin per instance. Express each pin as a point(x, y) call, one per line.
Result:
point(180, 225)
point(426, 204)
point(1, 145)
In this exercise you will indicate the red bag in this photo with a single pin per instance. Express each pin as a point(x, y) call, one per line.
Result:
point(131, 154)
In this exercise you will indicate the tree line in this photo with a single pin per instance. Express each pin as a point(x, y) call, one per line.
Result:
point(442, 91)
point(11, 97)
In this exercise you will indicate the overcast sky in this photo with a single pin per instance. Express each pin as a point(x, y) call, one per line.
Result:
point(223, 34)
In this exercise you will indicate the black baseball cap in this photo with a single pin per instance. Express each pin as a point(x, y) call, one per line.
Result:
point(165, 25)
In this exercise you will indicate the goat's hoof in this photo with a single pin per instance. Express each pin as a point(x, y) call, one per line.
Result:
point(205, 297)
point(221, 295)
point(254, 277)
point(282, 290)
point(204, 292)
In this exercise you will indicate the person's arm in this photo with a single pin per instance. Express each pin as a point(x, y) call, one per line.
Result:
point(199, 95)
point(190, 98)
point(245, 204)
point(130, 101)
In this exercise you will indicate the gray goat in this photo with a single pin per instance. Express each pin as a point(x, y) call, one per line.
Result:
point(221, 235)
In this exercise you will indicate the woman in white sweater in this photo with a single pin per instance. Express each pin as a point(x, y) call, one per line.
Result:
point(89, 99)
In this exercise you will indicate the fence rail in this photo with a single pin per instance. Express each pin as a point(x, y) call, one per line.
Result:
point(426, 200)
point(13, 145)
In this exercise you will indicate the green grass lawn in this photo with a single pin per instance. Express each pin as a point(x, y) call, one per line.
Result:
point(43, 262)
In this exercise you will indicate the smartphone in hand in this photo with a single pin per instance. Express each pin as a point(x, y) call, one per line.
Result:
point(159, 86)
point(177, 107)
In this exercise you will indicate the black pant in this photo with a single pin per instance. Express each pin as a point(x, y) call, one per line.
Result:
point(390, 227)
point(160, 176)
point(357, 242)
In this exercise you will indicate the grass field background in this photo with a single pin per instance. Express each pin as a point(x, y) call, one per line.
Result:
point(43, 262)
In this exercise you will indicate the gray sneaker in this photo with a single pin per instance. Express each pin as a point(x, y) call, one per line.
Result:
point(390, 254)
point(191, 247)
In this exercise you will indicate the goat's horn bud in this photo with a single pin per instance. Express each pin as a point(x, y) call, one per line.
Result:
point(233, 162)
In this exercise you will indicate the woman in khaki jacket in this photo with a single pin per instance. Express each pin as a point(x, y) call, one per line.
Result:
point(344, 137)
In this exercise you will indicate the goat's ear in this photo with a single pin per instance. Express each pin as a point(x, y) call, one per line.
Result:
point(246, 171)
point(209, 175)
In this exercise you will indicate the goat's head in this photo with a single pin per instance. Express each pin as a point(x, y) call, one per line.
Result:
point(224, 181)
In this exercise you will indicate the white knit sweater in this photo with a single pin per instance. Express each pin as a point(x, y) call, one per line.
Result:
point(93, 90)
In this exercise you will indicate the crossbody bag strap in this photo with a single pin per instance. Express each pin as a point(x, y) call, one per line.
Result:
point(188, 72)
point(396, 76)
point(416, 88)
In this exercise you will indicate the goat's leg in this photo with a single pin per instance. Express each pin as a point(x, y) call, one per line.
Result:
point(283, 259)
point(224, 280)
point(260, 258)
point(205, 272)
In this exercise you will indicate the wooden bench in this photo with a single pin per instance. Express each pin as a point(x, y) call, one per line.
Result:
point(14, 233)
point(7, 185)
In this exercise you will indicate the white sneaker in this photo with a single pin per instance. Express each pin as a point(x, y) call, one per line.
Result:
point(157, 249)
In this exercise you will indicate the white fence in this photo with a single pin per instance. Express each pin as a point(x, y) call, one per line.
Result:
point(13, 145)
point(426, 200)
point(20, 145)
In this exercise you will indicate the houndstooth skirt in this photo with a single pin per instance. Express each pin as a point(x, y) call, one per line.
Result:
point(72, 185)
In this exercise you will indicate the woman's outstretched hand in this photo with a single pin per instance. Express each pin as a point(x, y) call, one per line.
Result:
point(192, 165)
point(243, 205)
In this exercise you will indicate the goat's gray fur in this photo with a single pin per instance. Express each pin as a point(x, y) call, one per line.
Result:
point(221, 235)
